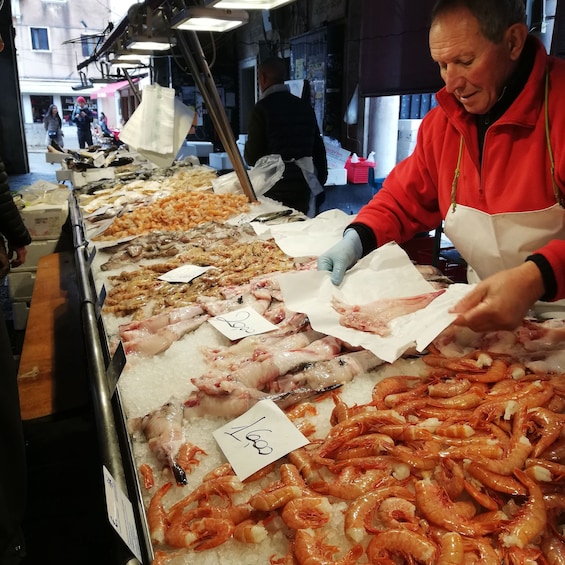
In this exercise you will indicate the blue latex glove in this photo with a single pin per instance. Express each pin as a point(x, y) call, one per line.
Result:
point(341, 256)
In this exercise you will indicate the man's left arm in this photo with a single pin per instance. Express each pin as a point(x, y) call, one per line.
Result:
point(256, 145)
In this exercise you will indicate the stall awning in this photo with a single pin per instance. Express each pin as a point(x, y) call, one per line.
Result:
point(109, 90)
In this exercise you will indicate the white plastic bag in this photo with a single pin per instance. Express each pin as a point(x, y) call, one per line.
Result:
point(268, 170)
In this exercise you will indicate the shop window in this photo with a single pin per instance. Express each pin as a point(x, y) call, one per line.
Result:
point(39, 106)
point(39, 38)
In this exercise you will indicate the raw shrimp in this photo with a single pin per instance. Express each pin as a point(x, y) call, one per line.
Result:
point(250, 531)
point(451, 549)
point(449, 388)
point(201, 534)
point(220, 486)
point(480, 550)
point(358, 515)
point(362, 423)
point(271, 500)
point(450, 474)
point(547, 425)
point(403, 543)
point(395, 513)
point(310, 549)
point(530, 521)
point(392, 385)
point(366, 445)
point(306, 512)
point(146, 473)
point(500, 483)
point(438, 508)
point(157, 517)
point(186, 457)
point(498, 371)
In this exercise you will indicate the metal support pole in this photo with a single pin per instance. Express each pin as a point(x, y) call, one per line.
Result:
point(194, 57)
point(133, 87)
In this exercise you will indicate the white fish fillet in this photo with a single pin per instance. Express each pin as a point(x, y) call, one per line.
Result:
point(376, 316)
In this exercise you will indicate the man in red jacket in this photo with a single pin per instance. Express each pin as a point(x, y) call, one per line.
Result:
point(489, 163)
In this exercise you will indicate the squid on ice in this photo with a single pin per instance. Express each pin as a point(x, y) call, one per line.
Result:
point(163, 431)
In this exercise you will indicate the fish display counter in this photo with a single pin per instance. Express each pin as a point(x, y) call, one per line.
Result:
point(253, 413)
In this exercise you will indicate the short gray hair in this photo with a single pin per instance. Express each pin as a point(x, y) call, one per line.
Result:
point(494, 16)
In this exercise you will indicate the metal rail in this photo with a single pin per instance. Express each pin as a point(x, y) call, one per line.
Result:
point(109, 417)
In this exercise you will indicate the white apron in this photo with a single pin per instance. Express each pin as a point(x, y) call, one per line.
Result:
point(306, 165)
point(491, 243)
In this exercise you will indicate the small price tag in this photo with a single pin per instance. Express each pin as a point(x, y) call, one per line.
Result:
point(120, 514)
point(184, 274)
point(241, 323)
point(257, 438)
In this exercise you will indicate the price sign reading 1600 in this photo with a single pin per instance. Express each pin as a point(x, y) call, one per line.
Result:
point(252, 435)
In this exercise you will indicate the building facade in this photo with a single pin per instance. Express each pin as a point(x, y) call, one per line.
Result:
point(51, 38)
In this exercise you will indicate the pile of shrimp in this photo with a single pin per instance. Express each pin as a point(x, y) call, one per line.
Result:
point(462, 463)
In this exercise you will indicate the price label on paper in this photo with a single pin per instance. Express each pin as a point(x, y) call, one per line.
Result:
point(184, 274)
point(257, 438)
point(241, 323)
point(120, 513)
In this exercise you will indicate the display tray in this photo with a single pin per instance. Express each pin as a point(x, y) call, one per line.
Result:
point(402, 460)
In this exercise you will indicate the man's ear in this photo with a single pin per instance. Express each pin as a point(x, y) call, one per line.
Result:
point(515, 39)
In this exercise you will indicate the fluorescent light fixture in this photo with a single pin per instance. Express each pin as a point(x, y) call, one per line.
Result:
point(209, 19)
point(149, 43)
point(124, 61)
point(248, 4)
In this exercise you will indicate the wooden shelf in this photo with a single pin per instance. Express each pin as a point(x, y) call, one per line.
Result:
point(52, 374)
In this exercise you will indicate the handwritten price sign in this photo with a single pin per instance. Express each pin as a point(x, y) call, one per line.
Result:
point(257, 438)
point(241, 323)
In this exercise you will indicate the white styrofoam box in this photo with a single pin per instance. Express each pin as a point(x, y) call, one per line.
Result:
point(63, 175)
point(220, 161)
point(81, 178)
point(44, 221)
point(335, 154)
point(20, 313)
point(336, 177)
point(408, 129)
point(55, 157)
point(198, 148)
point(35, 251)
point(20, 285)
point(404, 149)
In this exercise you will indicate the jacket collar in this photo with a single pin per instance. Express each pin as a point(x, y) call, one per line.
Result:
point(275, 88)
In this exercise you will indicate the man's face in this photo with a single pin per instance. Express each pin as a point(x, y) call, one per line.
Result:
point(473, 68)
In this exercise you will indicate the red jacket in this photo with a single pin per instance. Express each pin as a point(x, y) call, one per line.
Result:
point(514, 175)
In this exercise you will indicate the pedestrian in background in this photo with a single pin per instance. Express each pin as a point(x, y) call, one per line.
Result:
point(82, 117)
point(53, 127)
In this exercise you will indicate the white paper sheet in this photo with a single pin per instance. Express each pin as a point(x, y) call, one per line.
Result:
point(385, 273)
point(309, 238)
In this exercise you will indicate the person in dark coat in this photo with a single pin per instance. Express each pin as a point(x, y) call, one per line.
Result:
point(13, 480)
point(82, 117)
point(283, 124)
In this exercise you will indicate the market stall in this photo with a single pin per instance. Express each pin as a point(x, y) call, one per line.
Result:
point(415, 441)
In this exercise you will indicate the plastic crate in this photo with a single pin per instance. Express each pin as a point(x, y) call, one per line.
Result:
point(358, 173)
